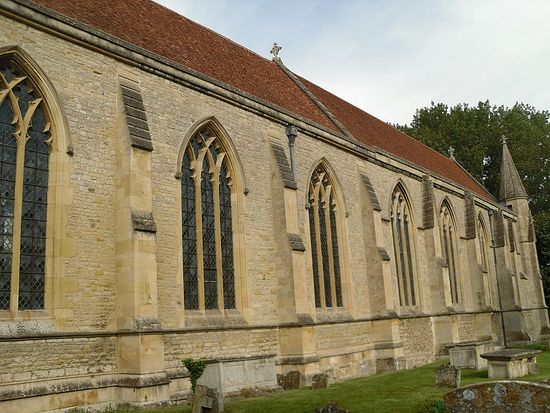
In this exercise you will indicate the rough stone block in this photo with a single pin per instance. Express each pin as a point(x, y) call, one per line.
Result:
point(207, 400)
point(499, 397)
point(291, 380)
point(331, 407)
point(319, 381)
point(511, 363)
point(447, 376)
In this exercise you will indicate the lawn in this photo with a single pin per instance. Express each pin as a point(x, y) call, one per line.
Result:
point(394, 392)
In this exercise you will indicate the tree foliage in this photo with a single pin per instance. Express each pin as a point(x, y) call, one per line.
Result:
point(475, 132)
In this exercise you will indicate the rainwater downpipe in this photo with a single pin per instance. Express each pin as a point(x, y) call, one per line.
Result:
point(291, 133)
point(493, 244)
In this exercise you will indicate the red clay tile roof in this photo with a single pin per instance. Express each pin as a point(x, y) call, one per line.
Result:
point(159, 30)
point(372, 131)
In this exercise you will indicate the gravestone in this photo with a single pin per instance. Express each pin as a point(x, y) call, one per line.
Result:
point(319, 381)
point(206, 400)
point(290, 381)
point(499, 397)
point(331, 407)
point(447, 376)
point(512, 362)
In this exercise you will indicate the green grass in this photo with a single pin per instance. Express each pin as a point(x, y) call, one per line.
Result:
point(404, 391)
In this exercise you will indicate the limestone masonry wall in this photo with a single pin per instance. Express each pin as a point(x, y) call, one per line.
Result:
point(39, 360)
point(87, 332)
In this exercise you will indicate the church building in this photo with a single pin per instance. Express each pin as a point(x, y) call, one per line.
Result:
point(166, 193)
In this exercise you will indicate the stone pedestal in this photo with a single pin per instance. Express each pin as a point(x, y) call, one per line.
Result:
point(468, 355)
point(229, 377)
point(510, 363)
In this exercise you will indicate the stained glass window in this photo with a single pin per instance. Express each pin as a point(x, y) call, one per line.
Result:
point(483, 246)
point(403, 247)
point(483, 243)
point(324, 254)
point(189, 236)
point(323, 229)
point(8, 153)
point(226, 239)
point(207, 214)
point(208, 240)
point(335, 253)
point(449, 248)
point(24, 130)
point(314, 265)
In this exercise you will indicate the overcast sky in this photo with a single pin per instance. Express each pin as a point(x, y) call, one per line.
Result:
point(390, 57)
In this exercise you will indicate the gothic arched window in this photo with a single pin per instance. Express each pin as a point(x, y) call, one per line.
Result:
point(448, 247)
point(325, 256)
point(402, 232)
point(24, 153)
point(207, 228)
point(483, 244)
point(511, 236)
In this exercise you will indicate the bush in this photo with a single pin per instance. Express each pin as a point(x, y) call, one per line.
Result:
point(195, 369)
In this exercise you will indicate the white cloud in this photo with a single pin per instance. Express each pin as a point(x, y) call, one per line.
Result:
point(391, 57)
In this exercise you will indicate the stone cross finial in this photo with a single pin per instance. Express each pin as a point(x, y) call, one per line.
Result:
point(275, 51)
point(504, 139)
point(452, 153)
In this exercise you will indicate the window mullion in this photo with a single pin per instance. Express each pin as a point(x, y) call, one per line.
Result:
point(315, 207)
point(329, 249)
point(198, 220)
point(453, 262)
point(218, 235)
point(17, 217)
point(407, 276)
point(401, 246)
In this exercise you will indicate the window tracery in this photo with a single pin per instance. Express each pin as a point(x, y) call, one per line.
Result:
point(483, 244)
point(207, 227)
point(449, 248)
point(403, 247)
point(25, 144)
point(325, 255)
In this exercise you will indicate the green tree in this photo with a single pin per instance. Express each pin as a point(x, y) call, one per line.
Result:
point(475, 132)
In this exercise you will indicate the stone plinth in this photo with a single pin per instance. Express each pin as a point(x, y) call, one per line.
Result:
point(510, 363)
point(467, 355)
point(229, 377)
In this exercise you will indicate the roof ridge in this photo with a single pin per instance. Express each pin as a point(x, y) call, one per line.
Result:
point(314, 99)
point(201, 52)
point(469, 174)
point(401, 132)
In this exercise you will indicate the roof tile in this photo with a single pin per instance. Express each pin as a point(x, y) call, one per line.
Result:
point(159, 30)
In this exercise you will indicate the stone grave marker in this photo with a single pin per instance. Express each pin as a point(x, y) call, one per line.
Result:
point(319, 381)
point(499, 397)
point(447, 376)
point(331, 407)
point(207, 400)
point(289, 381)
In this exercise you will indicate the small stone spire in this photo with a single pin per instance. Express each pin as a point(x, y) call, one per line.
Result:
point(275, 51)
point(511, 185)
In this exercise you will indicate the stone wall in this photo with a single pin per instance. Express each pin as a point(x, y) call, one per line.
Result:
point(418, 341)
point(39, 360)
point(40, 350)
point(220, 345)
